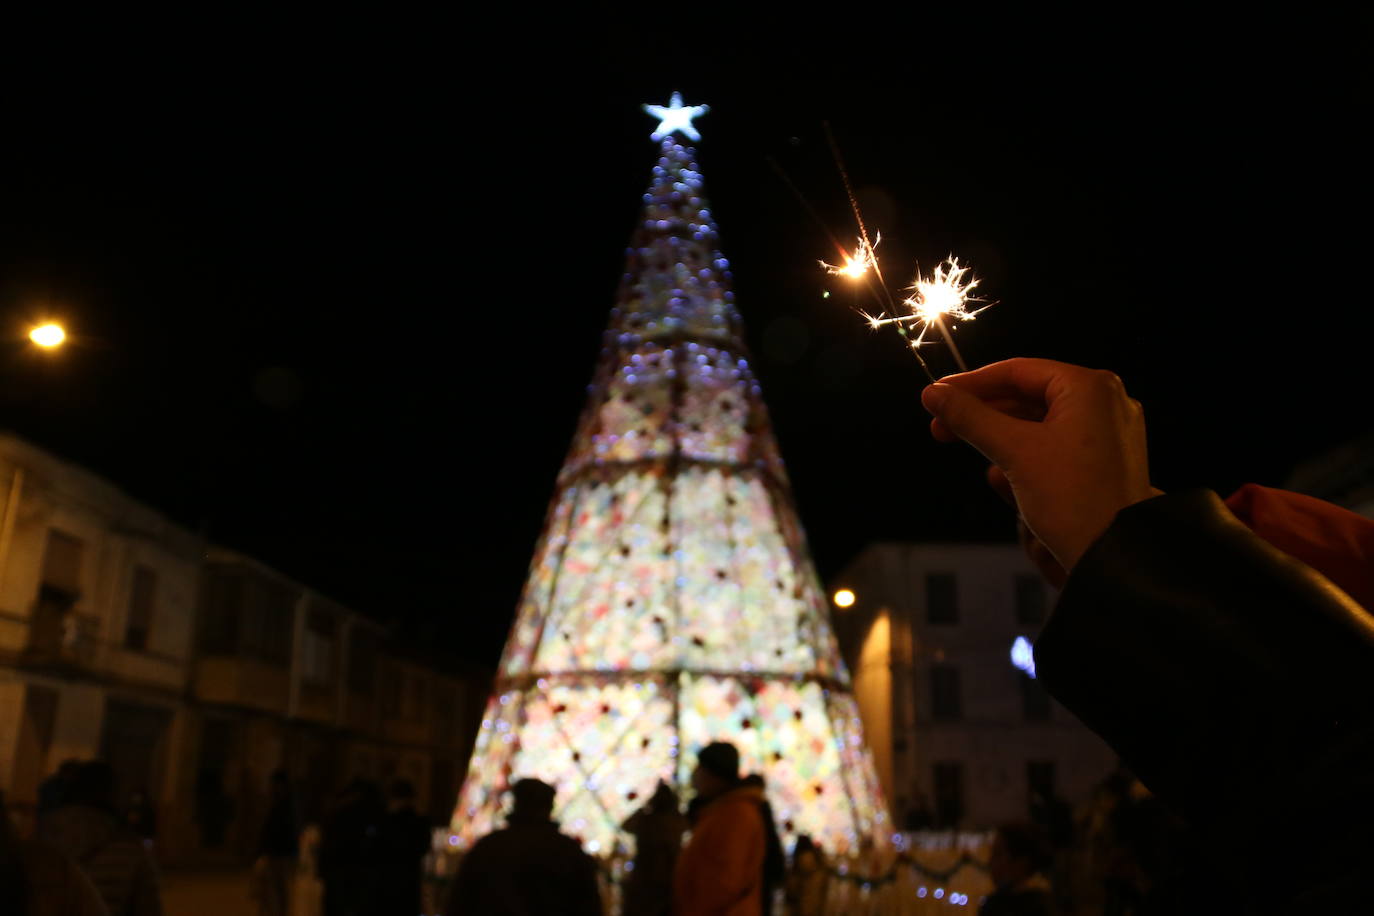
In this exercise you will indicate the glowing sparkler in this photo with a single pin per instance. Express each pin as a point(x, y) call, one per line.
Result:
point(857, 264)
point(947, 293)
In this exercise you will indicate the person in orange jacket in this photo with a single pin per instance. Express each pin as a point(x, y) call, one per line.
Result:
point(720, 872)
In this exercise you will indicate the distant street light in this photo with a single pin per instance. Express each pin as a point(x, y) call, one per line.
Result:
point(48, 336)
point(844, 598)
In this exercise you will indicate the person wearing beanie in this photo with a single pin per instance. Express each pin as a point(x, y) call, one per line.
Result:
point(720, 872)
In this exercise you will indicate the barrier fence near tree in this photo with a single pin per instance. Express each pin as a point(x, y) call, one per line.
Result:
point(931, 872)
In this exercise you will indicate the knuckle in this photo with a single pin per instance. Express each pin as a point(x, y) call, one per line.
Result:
point(1108, 382)
point(1110, 379)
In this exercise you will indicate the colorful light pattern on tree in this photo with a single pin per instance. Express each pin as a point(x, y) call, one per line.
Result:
point(671, 601)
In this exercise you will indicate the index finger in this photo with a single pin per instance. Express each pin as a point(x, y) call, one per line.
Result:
point(1022, 379)
point(1020, 408)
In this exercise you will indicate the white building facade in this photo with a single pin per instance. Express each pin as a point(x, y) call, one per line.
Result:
point(960, 734)
point(97, 610)
point(196, 671)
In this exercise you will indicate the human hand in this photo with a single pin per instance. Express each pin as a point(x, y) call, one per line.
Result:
point(1039, 554)
point(1069, 442)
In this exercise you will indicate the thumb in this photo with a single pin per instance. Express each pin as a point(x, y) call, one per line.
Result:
point(990, 431)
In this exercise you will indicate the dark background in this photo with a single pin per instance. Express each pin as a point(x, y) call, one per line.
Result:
point(336, 288)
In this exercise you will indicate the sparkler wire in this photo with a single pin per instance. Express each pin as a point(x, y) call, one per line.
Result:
point(868, 283)
point(863, 233)
point(858, 215)
point(949, 341)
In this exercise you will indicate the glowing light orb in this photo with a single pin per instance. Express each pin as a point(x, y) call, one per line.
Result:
point(844, 598)
point(48, 335)
point(1023, 656)
point(676, 116)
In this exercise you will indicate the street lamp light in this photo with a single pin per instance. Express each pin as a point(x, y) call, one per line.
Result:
point(844, 598)
point(48, 336)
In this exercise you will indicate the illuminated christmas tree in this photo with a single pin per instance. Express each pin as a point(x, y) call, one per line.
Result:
point(672, 601)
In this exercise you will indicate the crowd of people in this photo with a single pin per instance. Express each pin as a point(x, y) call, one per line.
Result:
point(731, 863)
point(723, 854)
point(370, 852)
point(89, 856)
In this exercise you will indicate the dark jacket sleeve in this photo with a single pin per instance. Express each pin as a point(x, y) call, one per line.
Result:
point(1234, 680)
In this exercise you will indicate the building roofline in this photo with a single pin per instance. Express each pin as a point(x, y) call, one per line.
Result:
point(108, 496)
point(220, 554)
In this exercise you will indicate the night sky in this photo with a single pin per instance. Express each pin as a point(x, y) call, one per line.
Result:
point(336, 296)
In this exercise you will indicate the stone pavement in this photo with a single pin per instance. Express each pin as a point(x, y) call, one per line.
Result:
point(207, 892)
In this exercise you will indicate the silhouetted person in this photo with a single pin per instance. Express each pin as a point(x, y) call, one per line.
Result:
point(277, 848)
point(404, 840)
point(721, 870)
point(1020, 854)
point(694, 806)
point(53, 792)
point(1054, 817)
point(349, 851)
point(140, 816)
point(657, 828)
point(1146, 855)
point(807, 881)
point(214, 808)
point(113, 857)
point(528, 868)
point(37, 880)
point(774, 858)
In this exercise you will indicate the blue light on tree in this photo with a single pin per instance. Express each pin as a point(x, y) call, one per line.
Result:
point(1022, 656)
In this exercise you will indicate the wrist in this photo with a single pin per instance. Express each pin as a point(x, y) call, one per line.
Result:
point(1071, 548)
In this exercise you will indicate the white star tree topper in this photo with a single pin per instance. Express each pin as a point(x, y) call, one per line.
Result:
point(676, 116)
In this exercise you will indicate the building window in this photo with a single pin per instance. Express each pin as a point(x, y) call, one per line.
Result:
point(317, 647)
point(221, 606)
point(946, 701)
point(142, 600)
point(269, 621)
point(445, 715)
point(1040, 778)
point(392, 681)
point(1030, 599)
point(942, 605)
point(949, 793)
point(1035, 702)
point(362, 661)
point(246, 614)
point(405, 694)
point(414, 698)
point(62, 562)
point(58, 591)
